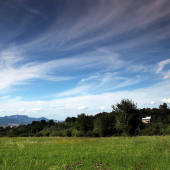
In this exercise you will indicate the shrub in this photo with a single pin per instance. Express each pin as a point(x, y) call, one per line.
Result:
point(168, 130)
point(92, 134)
point(56, 133)
point(38, 134)
point(77, 133)
point(67, 133)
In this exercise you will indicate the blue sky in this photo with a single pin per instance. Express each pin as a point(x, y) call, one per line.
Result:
point(61, 58)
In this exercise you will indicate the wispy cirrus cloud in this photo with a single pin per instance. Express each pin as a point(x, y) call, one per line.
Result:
point(15, 73)
point(36, 12)
point(80, 90)
point(162, 64)
point(161, 69)
point(109, 19)
point(107, 79)
point(99, 84)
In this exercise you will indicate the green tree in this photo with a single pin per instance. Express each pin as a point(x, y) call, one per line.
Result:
point(51, 122)
point(70, 119)
point(126, 116)
point(105, 124)
point(84, 123)
point(125, 105)
point(163, 106)
point(162, 113)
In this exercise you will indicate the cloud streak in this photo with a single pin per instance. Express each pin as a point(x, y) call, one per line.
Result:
point(109, 19)
point(162, 64)
point(13, 73)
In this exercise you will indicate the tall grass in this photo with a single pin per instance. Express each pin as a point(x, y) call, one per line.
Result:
point(120, 153)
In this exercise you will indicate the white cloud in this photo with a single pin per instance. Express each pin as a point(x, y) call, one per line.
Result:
point(102, 108)
point(5, 97)
point(21, 110)
point(82, 108)
point(166, 77)
point(2, 110)
point(36, 109)
point(162, 65)
point(152, 102)
point(166, 100)
point(62, 107)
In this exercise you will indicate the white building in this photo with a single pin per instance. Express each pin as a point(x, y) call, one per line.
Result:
point(146, 119)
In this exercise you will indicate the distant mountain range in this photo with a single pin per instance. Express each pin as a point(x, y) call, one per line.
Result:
point(15, 120)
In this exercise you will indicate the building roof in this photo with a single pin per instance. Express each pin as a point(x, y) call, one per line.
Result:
point(148, 117)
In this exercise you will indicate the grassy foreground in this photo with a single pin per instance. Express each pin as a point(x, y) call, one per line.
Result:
point(118, 153)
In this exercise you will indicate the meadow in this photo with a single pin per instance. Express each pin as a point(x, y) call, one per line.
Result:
point(53, 153)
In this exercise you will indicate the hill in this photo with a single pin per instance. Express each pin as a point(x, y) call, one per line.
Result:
point(20, 119)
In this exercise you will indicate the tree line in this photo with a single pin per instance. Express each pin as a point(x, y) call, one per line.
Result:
point(124, 120)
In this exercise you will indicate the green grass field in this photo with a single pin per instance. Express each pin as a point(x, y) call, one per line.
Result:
point(119, 153)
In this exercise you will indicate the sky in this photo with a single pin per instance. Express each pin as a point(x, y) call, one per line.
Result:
point(61, 58)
